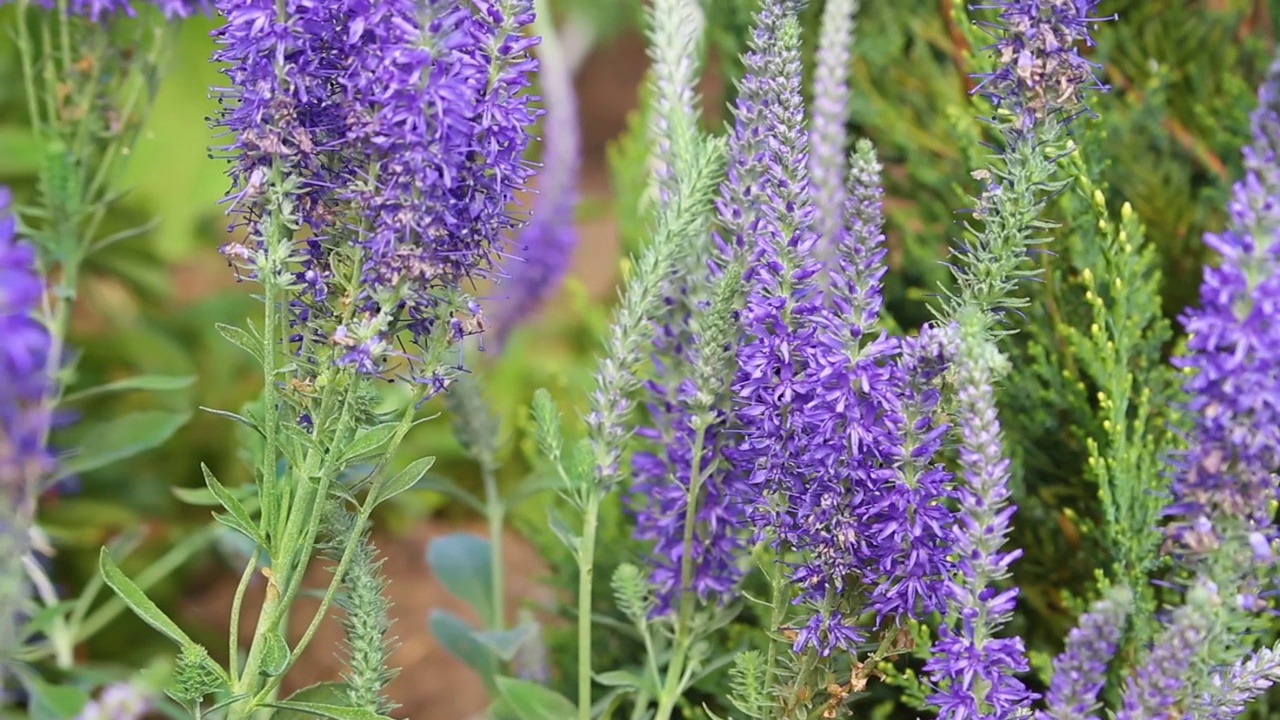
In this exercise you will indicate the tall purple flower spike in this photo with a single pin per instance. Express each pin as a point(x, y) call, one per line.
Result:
point(1226, 478)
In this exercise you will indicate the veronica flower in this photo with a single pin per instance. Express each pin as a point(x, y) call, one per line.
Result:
point(1226, 480)
point(24, 356)
point(1162, 681)
point(546, 244)
point(1039, 70)
point(1080, 670)
point(1231, 689)
point(395, 132)
point(972, 670)
point(25, 347)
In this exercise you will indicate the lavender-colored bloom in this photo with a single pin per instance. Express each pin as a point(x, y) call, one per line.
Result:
point(395, 127)
point(546, 244)
point(99, 10)
point(830, 112)
point(1039, 67)
point(1157, 686)
point(1226, 479)
point(855, 291)
point(24, 357)
point(1080, 670)
point(972, 670)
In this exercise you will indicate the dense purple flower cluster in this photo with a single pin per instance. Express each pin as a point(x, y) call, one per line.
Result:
point(1039, 67)
point(1080, 670)
point(24, 357)
point(822, 404)
point(547, 243)
point(97, 10)
point(398, 129)
point(972, 670)
point(1226, 479)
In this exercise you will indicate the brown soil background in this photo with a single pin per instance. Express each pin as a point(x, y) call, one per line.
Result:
point(432, 685)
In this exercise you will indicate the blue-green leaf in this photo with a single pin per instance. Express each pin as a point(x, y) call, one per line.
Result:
point(531, 701)
point(142, 606)
point(155, 383)
point(121, 438)
point(506, 643)
point(463, 562)
point(455, 635)
point(56, 702)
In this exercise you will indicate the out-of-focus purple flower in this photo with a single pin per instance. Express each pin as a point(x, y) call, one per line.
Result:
point(118, 701)
point(24, 356)
point(1159, 682)
point(98, 10)
point(1226, 479)
point(830, 112)
point(1039, 68)
point(973, 671)
point(1080, 670)
point(855, 293)
point(546, 244)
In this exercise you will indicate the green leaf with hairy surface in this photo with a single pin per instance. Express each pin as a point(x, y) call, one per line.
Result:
point(325, 693)
point(202, 497)
point(242, 339)
point(531, 701)
point(368, 441)
point(275, 655)
point(121, 438)
point(142, 606)
point(237, 515)
point(154, 383)
point(406, 479)
point(462, 562)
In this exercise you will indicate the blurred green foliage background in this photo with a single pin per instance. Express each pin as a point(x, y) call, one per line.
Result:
point(1183, 74)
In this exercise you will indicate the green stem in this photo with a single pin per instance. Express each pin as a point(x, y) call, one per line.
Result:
point(688, 599)
point(586, 574)
point(780, 597)
point(495, 510)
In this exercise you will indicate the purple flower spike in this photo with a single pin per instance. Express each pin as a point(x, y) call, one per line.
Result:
point(1079, 672)
point(1158, 684)
point(1226, 479)
point(972, 670)
point(24, 357)
point(547, 242)
point(100, 10)
point(1039, 70)
point(830, 112)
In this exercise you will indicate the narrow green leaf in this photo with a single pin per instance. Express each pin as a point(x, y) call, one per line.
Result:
point(41, 620)
point(155, 383)
point(121, 438)
point(201, 497)
point(531, 701)
point(138, 602)
point(332, 712)
point(462, 563)
point(368, 441)
point(404, 480)
point(620, 678)
point(234, 416)
point(234, 508)
point(242, 339)
point(325, 693)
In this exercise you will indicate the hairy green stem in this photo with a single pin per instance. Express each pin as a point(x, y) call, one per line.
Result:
point(495, 511)
point(586, 575)
point(688, 599)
